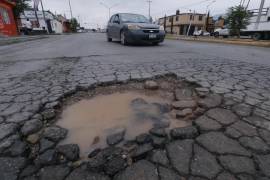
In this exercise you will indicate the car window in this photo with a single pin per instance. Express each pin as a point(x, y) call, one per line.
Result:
point(116, 18)
point(112, 18)
point(134, 18)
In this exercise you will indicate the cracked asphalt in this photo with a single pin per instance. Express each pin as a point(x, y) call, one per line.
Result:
point(230, 141)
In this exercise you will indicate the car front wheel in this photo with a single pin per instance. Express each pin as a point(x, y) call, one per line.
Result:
point(123, 38)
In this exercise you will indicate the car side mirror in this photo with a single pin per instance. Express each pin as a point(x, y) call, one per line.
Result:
point(116, 22)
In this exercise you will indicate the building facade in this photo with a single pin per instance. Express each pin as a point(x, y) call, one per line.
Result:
point(187, 23)
point(50, 23)
point(8, 25)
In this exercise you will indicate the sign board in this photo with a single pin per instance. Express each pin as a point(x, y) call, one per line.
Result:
point(32, 15)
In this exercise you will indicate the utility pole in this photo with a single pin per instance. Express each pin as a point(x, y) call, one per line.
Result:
point(191, 19)
point(149, 8)
point(109, 8)
point(46, 26)
point(259, 14)
point(70, 9)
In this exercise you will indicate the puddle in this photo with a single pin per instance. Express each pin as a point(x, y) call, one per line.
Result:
point(90, 121)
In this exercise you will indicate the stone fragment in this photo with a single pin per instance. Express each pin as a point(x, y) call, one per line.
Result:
point(168, 174)
point(116, 137)
point(115, 165)
point(183, 113)
point(217, 142)
point(70, 151)
point(188, 132)
point(47, 158)
point(141, 170)
point(31, 127)
point(183, 104)
point(141, 151)
point(159, 157)
point(223, 116)
point(58, 172)
point(33, 138)
point(159, 142)
point(255, 144)
point(152, 85)
point(264, 163)
point(55, 133)
point(180, 162)
point(82, 173)
point(10, 167)
point(204, 164)
point(48, 114)
point(210, 101)
point(206, 124)
point(160, 132)
point(45, 144)
point(143, 138)
point(238, 164)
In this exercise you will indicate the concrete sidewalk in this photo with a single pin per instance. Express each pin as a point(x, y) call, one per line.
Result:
point(236, 41)
point(12, 40)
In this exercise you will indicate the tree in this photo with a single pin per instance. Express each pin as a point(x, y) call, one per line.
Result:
point(21, 5)
point(237, 18)
point(74, 24)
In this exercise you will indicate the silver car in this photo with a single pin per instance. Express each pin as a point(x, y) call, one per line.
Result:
point(134, 28)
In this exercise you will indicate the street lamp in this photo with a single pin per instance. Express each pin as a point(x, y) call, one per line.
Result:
point(109, 7)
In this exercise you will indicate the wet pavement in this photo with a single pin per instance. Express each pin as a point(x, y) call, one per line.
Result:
point(231, 140)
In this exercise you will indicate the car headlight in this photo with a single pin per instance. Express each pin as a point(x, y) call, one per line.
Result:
point(133, 27)
point(161, 28)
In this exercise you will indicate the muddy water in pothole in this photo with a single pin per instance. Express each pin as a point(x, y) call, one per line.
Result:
point(90, 121)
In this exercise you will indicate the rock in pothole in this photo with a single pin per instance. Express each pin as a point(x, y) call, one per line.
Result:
point(210, 101)
point(116, 137)
point(31, 127)
point(188, 132)
point(152, 85)
point(55, 133)
point(70, 151)
point(184, 93)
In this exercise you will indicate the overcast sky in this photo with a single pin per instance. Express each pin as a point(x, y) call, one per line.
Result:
point(92, 14)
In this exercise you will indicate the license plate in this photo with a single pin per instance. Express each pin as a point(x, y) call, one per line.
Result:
point(152, 36)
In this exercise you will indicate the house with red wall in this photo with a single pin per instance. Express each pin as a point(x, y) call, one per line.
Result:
point(8, 25)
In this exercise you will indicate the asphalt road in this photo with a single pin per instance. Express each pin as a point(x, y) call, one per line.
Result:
point(94, 44)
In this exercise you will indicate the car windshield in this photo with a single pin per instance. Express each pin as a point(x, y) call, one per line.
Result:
point(134, 18)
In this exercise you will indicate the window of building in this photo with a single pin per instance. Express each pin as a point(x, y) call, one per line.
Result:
point(177, 18)
point(5, 16)
point(171, 19)
point(268, 19)
point(200, 18)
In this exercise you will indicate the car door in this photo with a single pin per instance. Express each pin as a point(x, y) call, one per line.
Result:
point(116, 27)
point(110, 27)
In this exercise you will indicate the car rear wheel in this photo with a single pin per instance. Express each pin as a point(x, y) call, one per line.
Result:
point(123, 38)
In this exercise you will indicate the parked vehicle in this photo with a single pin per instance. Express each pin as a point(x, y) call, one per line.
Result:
point(224, 32)
point(258, 29)
point(134, 28)
point(201, 33)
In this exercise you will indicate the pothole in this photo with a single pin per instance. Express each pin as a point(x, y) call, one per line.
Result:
point(117, 114)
